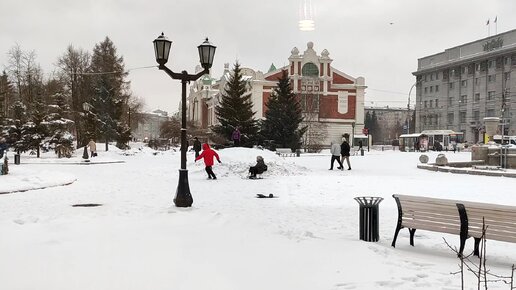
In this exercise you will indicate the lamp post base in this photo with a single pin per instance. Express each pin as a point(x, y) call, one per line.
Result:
point(183, 197)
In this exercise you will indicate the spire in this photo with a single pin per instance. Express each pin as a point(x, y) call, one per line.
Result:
point(272, 68)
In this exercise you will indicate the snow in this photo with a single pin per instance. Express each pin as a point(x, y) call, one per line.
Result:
point(307, 238)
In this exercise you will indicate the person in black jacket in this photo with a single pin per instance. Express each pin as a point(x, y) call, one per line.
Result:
point(259, 168)
point(344, 152)
point(196, 146)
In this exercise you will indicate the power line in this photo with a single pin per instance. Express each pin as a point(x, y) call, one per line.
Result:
point(114, 72)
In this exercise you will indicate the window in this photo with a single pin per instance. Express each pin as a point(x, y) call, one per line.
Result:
point(507, 76)
point(464, 83)
point(477, 81)
point(436, 75)
point(491, 78)
point(310, 70)
point(463, 99)
point(463, 69)
point(432, 76)
point(431, 103)
point(450, 118)
point(490, 113)
point(426, 104)
point(437, 103)
point(462, 117)
point(426, 90)
point(437, 87)
point(450, 101)
point(476, 99)
point(424, 120)
point(506, 59)
point(424, 77)
point(490, 96)
point(431, 89)
point(451, 86)
point(491, 63)
point(476, 115)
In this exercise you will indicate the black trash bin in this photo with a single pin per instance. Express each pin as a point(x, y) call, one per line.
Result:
point(369, 218)
point(17, 159)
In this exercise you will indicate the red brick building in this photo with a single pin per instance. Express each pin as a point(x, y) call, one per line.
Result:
point(332, 101)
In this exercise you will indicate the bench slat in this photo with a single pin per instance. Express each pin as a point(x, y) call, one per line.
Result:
point(418, 217)
point(494, 236)
point(433, 227)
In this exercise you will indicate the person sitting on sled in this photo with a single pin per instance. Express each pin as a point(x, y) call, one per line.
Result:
point(259, 168)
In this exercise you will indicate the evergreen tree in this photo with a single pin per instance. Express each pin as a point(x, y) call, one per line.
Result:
point(15, 125)
point(110, 93)
point(235, 110)
point(283, 116)
point(36, 130)
point(59, 127)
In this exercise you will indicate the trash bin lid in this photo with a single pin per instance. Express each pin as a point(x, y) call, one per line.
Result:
point(368, 200)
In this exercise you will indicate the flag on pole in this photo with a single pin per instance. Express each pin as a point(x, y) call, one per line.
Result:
point(496, 19)
point(487, 22)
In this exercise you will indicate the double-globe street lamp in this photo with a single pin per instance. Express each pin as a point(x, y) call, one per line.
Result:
point(162, 45)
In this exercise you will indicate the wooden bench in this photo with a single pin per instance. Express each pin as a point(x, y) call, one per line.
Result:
point(285, 152)
point(462, 218)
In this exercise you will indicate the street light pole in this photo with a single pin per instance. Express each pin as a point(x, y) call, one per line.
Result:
point(162, 45)
point(408, 107)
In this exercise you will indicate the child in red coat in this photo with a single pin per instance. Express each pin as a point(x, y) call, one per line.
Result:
point(208, 154)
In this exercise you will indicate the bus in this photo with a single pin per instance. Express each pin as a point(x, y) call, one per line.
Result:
point(437, 140)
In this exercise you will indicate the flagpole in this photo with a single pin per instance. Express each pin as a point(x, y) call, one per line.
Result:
point(488, 30)
point(496, 25)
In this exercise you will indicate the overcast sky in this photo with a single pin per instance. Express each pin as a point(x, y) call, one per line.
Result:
point(358, 35)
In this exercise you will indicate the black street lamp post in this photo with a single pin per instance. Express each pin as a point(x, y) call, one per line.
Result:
point(162, 45)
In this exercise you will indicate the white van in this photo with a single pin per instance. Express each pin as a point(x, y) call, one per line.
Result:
point(506, 139)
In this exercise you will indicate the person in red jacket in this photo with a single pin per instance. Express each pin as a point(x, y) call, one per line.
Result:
point(208, 154)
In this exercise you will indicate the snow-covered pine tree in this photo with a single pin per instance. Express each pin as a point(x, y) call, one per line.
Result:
point(36, 129)
point(14, 127)
point(283, 116)
point(235, 109)
point(110, 92)
point(59, 127)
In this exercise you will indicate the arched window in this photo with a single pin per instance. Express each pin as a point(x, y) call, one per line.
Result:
point(310, 70)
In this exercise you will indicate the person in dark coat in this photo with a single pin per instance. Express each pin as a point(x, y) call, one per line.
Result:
point(344, 152)
point(196, 146)
point(3, 146)
point(259, 168)
point(236, 137)
point(208, 154)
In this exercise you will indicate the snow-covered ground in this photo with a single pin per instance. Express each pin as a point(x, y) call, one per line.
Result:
point(307, 238)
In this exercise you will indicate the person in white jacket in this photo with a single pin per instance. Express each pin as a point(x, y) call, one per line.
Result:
point(335, 155)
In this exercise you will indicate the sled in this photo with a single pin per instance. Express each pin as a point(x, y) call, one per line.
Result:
point(259, 195)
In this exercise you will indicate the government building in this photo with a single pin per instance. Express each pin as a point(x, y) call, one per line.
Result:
point(457, 88)
point(332, 101)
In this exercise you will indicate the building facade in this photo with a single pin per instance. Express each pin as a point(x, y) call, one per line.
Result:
point(329, 97)
point(457, 88)
point(391, 123)
point(147, 126)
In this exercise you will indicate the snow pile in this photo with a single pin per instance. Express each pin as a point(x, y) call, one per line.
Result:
point(236, 161)
point(23, 180)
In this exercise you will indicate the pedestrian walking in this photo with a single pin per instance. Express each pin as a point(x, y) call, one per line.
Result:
point(236, 137)
point(344, 152)
point(335, 155)
point(93, 148)
point(196, 146)
point(208, 154)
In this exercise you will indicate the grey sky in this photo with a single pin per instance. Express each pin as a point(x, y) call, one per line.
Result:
point(358, 35)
